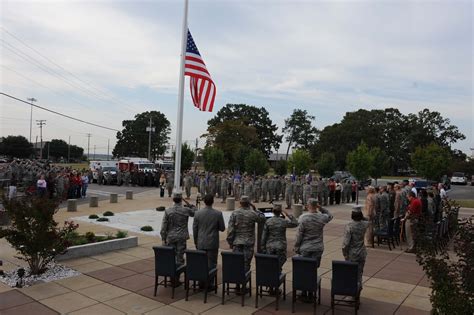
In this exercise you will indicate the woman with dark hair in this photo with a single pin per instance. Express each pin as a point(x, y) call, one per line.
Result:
point(353, 247)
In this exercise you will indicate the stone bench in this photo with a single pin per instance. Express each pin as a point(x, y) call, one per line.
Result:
point(93, 202)
point(114, 198)
point(129, 194)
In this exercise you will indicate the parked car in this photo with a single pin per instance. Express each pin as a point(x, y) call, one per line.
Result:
point(113, 171)
point(458, 178)
point(423, 184)
point(472, 180)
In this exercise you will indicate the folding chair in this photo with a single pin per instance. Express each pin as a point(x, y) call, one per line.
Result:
point(345, 283)
point(197, 269)
point(233, 271)
point(165, 266)
point(268, 275)
point(305, 278)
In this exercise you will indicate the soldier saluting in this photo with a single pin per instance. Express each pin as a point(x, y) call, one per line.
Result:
point(241, 229)
point(174, 227)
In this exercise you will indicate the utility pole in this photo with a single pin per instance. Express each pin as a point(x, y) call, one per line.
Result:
point(150, 129)
point(49, 143)
point(94, 151)
point(32, 99)
point(69, 149)
point(41, 123)
point(108, 147)
point(195, 155)
point(88, 135)
point(36, 143)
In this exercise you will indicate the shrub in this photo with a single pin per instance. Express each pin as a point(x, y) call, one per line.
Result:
point(93, 216)
point(108, 214)
point(34, 233)
point(102, 220)
point(146, 228)
point(161, 208)
point(121, 234)
point(450, 270)
point(90, 237)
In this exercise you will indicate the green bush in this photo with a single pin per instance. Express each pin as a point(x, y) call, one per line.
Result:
point(146, 228)
point(93, 216)
point(102, 220)
point(161, 208)
point(108, 214)
point(90, 236)
point(33, 233)
point(121, 234)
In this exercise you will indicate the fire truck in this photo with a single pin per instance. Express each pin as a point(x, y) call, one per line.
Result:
point(136, 164)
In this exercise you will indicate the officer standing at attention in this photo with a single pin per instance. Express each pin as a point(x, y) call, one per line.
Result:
point(309, 237)
point(174, 227)
point(188, 183)
point(224, 187)
point(206, 226)
point(241, 229)
point(274, 233)
point(353, 247)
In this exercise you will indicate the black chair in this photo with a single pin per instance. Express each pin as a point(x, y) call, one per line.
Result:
point(197, 269)
point(165, 266)
point(345, 283)
point(386, 235)
point(233, 271)
point(305, 278)
point(268, 275)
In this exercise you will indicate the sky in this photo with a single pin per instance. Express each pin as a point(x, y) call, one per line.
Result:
point(105, 61)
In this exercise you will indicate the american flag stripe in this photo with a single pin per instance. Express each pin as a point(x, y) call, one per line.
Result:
point(203, 89)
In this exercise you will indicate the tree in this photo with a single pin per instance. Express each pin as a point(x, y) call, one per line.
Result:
point(251, 116)
point(34, 233)
point(281, 167)
point(213, 159)
point(299, 131)
point(360, 162)
point(235, 138)
point(379, 163)
point(326, 164)
point(58, 148)
point(431, 161)
point(256, 163)
point(187, 157)
point(133, 139)
point(16, 146)
point(299, 162)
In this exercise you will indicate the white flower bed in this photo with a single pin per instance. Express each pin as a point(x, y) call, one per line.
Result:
point(54, 272)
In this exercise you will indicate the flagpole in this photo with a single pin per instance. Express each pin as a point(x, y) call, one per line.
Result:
point(179, 120)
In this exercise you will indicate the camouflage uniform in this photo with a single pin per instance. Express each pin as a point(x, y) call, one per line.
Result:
point(218, 185)
point(119, 177)
point(309, 237)
point(257, 189)
point(170, 184)
point(353, 247)
point(277, 189)
point(306, 192)
point(174, 229)
point(288, 193)
point(271, 189)
point(384, 211)
point(347, 190)
point(325, 193)
point(188, 183)
point(224, 187)
point(248, 188)
point(265, 189)
point(212, 185)
point(274, 236)
point(241, 232)
point(202, 186)
point(126, 177)
point(283, 187)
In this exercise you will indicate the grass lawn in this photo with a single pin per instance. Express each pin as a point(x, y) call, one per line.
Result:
point(468, 203)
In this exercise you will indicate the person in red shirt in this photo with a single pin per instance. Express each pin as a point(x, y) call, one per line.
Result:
point(411, 219)
point(332, 191)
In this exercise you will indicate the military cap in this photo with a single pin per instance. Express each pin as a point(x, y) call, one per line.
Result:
point(244, 199)
point(277, 206)
point(313, 201)
point(177, 194)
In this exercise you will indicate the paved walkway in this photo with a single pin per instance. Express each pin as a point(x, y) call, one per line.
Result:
point(121, 282)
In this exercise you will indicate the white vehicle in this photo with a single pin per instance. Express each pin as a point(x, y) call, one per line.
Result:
point(94, 167)
point(165, 165)
point(458, 178)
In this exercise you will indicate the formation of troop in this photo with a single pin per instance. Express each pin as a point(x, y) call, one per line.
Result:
point(241, 232)
point(290, 189)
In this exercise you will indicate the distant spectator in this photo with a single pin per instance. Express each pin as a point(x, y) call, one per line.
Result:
point(41, 186)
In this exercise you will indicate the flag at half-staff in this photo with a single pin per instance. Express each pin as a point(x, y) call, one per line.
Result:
point(203, 89)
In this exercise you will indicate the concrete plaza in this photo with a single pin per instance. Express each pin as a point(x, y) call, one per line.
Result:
point(121, 282)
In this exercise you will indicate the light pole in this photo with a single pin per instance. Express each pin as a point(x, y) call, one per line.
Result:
point(41, 123)
point(150, 129)
point(32, 99)
point(88, 144)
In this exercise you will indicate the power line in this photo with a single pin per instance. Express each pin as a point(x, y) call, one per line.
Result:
point(100, 90)
point(58, 113)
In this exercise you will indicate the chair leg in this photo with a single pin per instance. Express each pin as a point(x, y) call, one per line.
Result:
point(215, 284)
point(293, 300)
point(228, 289)
point(156, 285)
point(243, 294)
point(175, 280)
point(223, 292)
point(314, 302)
point(319, 294)
point(284, 290)
point(256, 297)
point(277, 291)
point(166, 281)
point(250, 287)
point(187, 287)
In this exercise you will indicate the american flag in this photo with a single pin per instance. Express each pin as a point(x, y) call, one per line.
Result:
point(203, 90)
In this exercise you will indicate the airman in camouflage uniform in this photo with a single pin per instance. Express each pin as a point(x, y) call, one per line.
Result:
point(188, 183)
point(126, 177)
point(241, 229)
point(274, 233)
point(283, 187)
point(306, 192)
point(212, 185)
point(170, 183)
point(224, 187)
point(353, 247)
point(248, 187)
point(257, 189)
point(271, 188)
point(309, 237)
point(383, 214)
point(174, 227)
point(325, 192)
point(202, 185)
point(288, 192)
point(277, 188)
point(347, 190)
point(265, 182)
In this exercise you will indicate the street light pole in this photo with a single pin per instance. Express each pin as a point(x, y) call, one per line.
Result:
point(41, 123)
point(150, 129)
point(32, 99)
point(88, 144)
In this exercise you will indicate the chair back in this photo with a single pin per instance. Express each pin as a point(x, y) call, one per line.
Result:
point(165, 261)
point(391, 224)
point(305, 273)
point(233, 267)
point(344, 278)
point(196, 265)
point(396, 226)
point(267, 270)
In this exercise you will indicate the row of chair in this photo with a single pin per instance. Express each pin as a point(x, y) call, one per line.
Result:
point(268, 277)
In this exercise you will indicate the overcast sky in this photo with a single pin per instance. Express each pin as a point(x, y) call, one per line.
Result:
point(119, 58)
